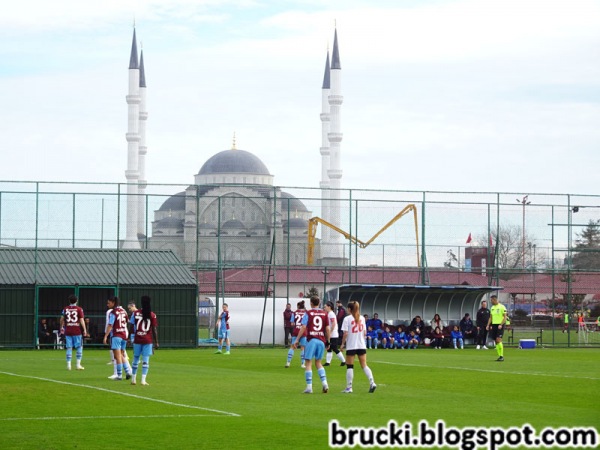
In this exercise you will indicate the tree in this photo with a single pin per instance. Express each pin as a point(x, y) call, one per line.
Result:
point(509, 252)
point(586, 254)
point(451, 259)
point(312, 292)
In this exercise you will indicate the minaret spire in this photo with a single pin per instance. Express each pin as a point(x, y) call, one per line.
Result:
point(334, 248)
point(324, 150)
point(133, 140)
point(142, 150)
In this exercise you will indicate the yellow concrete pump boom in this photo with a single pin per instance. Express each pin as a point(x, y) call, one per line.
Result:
point(314, 222)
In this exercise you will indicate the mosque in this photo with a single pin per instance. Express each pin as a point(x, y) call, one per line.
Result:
point(232, 212)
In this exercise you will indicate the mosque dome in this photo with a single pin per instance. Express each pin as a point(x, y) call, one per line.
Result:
point(170, 222)
point(234, 161)
point(174, 203)
point(295, 223)
point(233, 223)
point(291, 203)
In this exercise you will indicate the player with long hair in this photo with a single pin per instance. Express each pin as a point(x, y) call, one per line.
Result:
point(297, 319)
point(145, 336)
point(354, 340)
point(316, 328)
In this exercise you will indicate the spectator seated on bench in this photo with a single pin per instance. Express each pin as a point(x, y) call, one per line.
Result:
point(400, 338)
point(437, 338)
point(468, 328)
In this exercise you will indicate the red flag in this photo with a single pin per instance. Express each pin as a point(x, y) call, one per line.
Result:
point(491, 242)
point(469, 239)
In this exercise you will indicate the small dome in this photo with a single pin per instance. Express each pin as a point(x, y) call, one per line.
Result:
point(234, 161)
point(293, 202)
point(174, 203)
point(170, 222)
point(233, 223)
point(295, 223)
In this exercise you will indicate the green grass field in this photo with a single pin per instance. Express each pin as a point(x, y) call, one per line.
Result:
point(247, 400)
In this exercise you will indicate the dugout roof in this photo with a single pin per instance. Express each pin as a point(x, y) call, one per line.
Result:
point(400, 303)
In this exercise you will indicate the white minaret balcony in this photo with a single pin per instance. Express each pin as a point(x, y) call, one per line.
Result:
point(132, 137)
point(336, 100)
point(324, 151)
point(335, 137)
point(133, 99)
point(334, 173)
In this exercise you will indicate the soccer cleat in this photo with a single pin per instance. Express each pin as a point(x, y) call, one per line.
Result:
point(133, 382)
point(118, 378)
point(80, 368)
point(484, 347)
point(307, 391)
point(227, 353)
point(218, 352)
point(478, 347)
point(143, 383)
point(113, 377)
point(325, 389)
point(302, 365)
point(287, 365)
point(128, 376)
point(342, 364)
point(501, 358)
point(347, 391)
point(372, 388)
point(326, 364)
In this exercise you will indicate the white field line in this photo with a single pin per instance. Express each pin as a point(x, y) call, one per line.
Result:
point(157, 416)
point(533, 374)
point(123, 393)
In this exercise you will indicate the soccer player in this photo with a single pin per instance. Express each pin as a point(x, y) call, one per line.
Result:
point(354, 328)
point(117, 329)
point(145, 334)
point(297, 319)
point(334, 337)
point(72, 324)
point(496, 325)
point(314, 324)
point(223, 325)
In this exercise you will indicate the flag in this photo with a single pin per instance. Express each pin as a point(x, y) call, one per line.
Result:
point(469, 239)
point(491, 241)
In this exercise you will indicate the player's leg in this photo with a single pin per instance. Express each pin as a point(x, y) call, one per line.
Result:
point(146, 352)
point(227, 342)
point(79, 351)
point(137, 351)
point(125, 358)
point(349, 371)
point(69, 345)
point(290, 354)
point(308, 354)
point(319, 351)
point(362, 358)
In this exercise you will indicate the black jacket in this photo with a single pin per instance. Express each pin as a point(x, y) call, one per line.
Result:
point(483, 316)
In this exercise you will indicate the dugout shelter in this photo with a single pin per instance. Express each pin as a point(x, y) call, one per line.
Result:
point(398, 304)
point(35, 284)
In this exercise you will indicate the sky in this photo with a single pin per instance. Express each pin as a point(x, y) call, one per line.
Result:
point(448, 95)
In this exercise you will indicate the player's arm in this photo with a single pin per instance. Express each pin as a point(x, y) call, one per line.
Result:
point(155, 336)
point(62, 324)
point(503, 318)
point(82, 323)
point(109, 328)
point(300, 334)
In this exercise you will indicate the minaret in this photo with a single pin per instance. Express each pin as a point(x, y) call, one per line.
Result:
point(325, 231)
point(141, 228)
point(133, 140)
point(335, 138)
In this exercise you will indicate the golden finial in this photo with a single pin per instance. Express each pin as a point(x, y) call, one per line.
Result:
point(233, 147)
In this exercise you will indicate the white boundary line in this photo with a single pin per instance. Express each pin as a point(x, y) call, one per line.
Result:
point(533, 374)
point(158, 416)
point(122, 393)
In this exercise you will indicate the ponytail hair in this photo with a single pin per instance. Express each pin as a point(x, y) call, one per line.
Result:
point(146, 309)
point(301, 305)
point(354, 308)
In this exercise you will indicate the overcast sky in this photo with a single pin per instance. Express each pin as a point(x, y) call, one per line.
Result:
point(464, 95)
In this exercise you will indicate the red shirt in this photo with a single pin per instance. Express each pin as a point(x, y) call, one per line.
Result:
point(72, 315)
point(143, 328)
point(119, 326)
point(317, 322)
point(298, 315)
